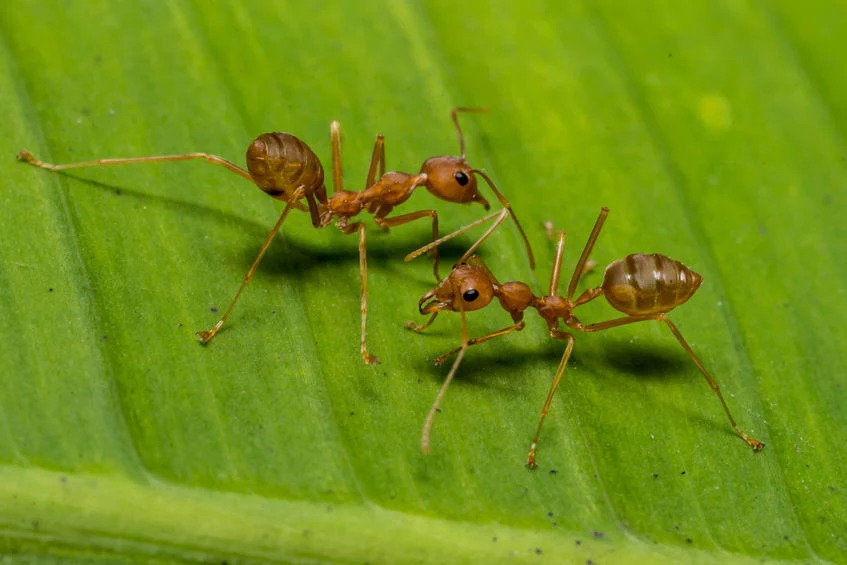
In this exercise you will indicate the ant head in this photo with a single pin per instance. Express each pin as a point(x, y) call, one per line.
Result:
point(469, 287)
point(452, 179)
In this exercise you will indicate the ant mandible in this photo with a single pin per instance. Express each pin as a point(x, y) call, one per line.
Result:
point(286, 169)
point(644, 287)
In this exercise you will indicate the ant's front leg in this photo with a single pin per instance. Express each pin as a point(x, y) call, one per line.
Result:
point(410, 325)
point(411, 217)
point(477, 340)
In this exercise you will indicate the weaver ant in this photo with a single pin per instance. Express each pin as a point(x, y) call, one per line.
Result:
point(644, 287)
point(286, 169)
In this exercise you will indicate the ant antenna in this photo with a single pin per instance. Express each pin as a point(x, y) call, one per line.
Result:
point(454, 113)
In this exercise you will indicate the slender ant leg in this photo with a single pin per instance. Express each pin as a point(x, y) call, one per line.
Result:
point(208, 335)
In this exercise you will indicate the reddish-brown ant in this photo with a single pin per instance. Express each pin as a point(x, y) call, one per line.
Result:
point(644, 287)
point(287, 169)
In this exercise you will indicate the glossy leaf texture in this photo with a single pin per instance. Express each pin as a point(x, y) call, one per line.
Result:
point(714, 131)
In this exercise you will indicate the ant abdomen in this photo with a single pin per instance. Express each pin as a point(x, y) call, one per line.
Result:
point(648, 284)
point(280, 162)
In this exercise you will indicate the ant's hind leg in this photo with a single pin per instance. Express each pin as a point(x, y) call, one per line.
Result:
point(208, 335)
point(27, 157)
point(752, 442)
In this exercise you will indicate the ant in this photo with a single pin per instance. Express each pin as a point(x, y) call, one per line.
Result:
point(644, 287)
point(286, 169)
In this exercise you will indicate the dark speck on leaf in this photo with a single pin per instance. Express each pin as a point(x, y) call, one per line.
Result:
point(117, 192)
point(598, 534)
point(550, 514)
point(538, 551)
point(494, 538)
point(49, 290)
point(579, 542)
point(213, 309)
point(682, 473)
point(655, 475)
point(553, 471)
point(688, 540)
point(352, 413)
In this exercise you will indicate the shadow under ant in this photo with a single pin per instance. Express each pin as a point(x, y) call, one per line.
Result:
point(646, 361)
point(291, 253)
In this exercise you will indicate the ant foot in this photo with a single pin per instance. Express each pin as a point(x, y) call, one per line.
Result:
point(370, 359)
point(410, 325)
point(205, 336)
point(549, 229)
point(755, 444)
point(530, 459)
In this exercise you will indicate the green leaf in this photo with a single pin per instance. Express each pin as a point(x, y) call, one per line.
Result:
point(713, 131)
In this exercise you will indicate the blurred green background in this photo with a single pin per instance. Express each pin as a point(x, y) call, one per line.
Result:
point(713, 130)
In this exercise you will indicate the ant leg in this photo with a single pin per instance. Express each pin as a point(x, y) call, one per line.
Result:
point(411, 217)
point(557, 265)
point(477, 340)
point(337, 174)
point(410, 325)
point(587, 296)
point(431, 415)
point(586, 251)
point(508, 206)
point(27, 157)
point(377, 167)
point(363, 269)
point(752, 442)
point(434, 244)
point(206, 336)
point(556, 334)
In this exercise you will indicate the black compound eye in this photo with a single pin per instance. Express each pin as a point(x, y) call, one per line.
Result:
point(462, 178)
point(471, 295)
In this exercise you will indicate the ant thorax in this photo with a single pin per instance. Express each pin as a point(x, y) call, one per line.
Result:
point(391, 190)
